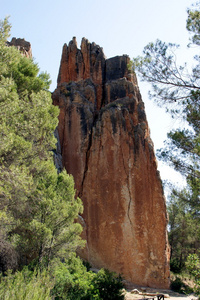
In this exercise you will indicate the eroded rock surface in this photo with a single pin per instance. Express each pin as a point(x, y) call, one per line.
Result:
point(23, 46)
point(106, 145)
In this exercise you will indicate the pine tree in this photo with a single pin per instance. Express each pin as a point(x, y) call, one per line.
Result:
point(177, 89)
point(37, 205)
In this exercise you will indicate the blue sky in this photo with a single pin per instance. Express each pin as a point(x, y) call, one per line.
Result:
point(119, 26)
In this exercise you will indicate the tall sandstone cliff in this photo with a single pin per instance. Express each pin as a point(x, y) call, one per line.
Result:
point(106, 145)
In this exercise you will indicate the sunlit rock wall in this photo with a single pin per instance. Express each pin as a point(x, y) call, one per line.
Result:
point(106, 145)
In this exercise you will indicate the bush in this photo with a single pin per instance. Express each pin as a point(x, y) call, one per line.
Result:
point(175, 265)
point(193, 267)
point(74, 282)
point(182, 284)
point(26, 285)
point(62, 280)
point(8, 256)
point(109, 285)
point(177, 285)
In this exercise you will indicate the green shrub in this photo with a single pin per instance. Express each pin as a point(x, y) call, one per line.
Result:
point(109, 285)
point(193, 267)
point(26, 285)
point(62, 280)
point(175, 265)
point(177, 285)
point(74, 282)
point(181, 285)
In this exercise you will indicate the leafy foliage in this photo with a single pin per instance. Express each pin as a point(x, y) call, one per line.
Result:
point(173, 84)
point(4, 30)
point(109, 285)
point(182, 284)
point(158, 66)
point(193, 266)
point(193, 24)
point(184, 229)
point(38, 206)
point(26, 285)
point(61, 280)
point(177, 285)
point(74, 282)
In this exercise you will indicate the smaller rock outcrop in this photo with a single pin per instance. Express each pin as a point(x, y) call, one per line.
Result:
point(23, 46)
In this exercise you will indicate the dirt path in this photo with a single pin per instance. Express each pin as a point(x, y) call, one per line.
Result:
point(176, 296)
point(136, 293)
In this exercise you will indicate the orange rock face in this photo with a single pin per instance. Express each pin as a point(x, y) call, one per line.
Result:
point(106, 146)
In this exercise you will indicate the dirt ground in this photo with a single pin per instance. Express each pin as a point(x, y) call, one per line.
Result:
point(136, 293)
point(172, 296)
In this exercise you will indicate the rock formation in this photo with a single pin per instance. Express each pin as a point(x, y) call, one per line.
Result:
point(23, 46)
point(106, 145)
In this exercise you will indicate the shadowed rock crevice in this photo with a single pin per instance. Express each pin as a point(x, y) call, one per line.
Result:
point(87, 154)
point(128, 185)
point(106, 146)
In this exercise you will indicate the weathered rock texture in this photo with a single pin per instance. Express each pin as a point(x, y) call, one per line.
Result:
point(106, 146)
point(23, 46)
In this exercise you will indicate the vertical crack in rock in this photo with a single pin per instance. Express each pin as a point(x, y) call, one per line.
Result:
point(130, 199)
point(87, 155)
point(127, 179)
